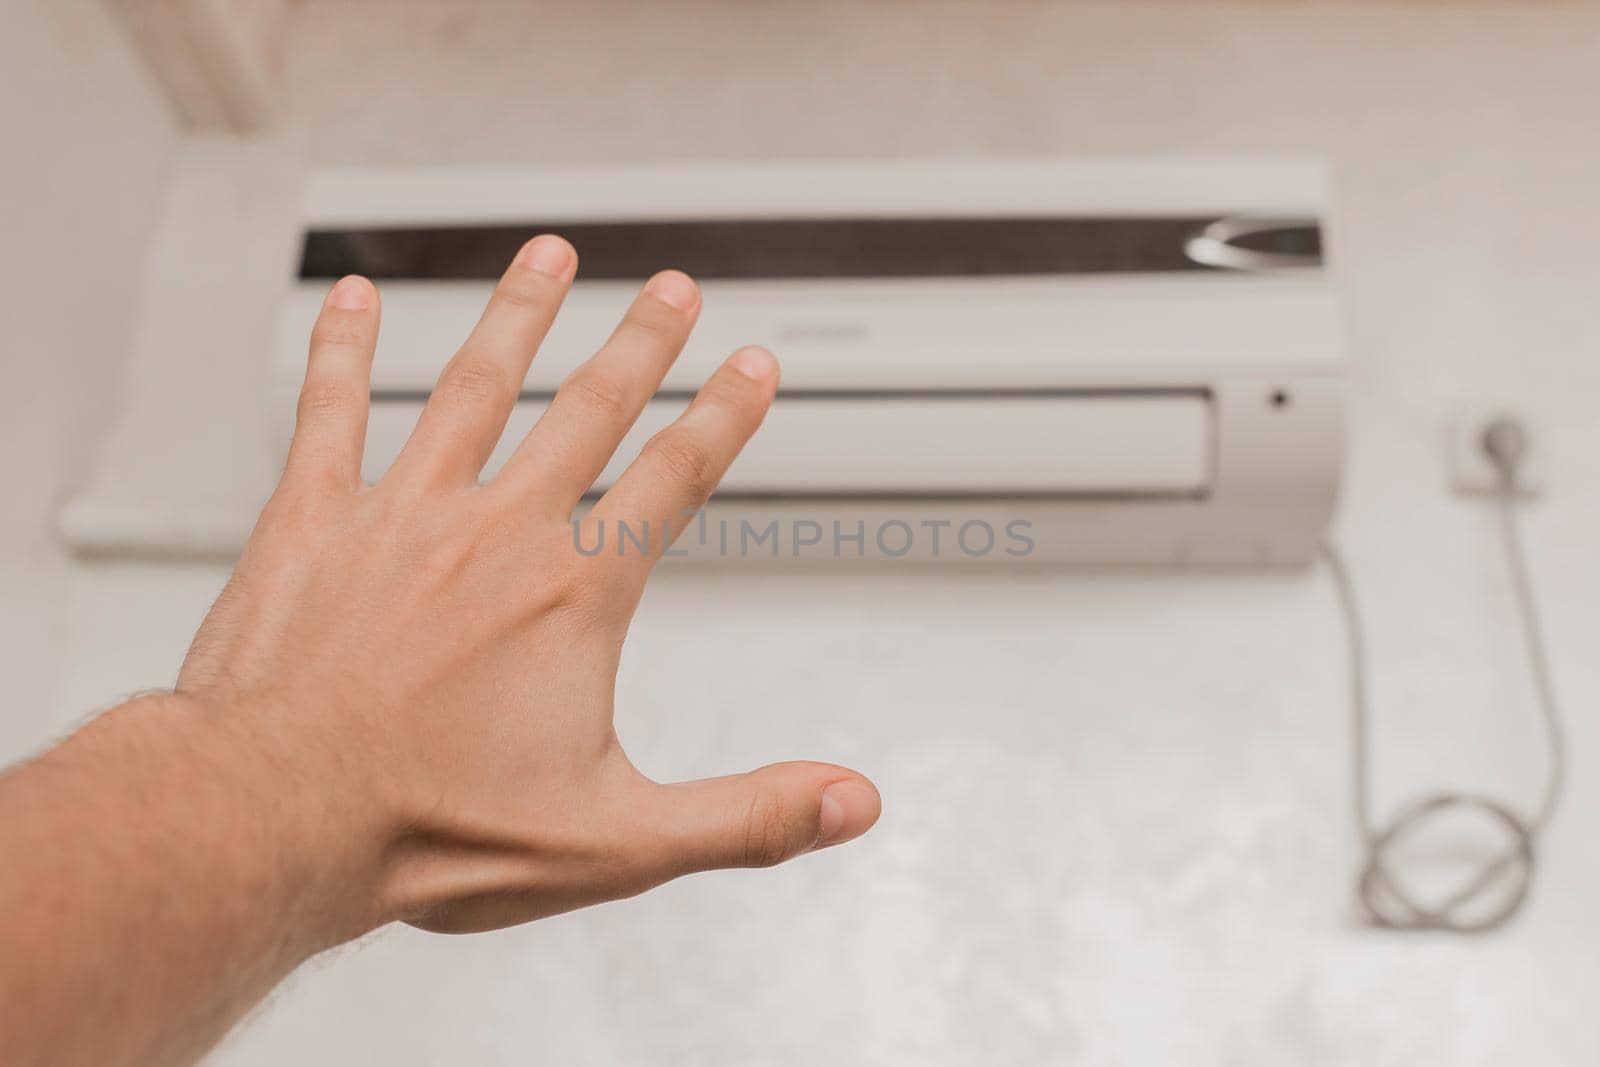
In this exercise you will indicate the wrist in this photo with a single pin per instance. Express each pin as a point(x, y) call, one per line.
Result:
point(213, 844)
point(272, 806)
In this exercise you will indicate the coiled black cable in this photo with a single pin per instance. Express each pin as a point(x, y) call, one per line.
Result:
point(1496, 890)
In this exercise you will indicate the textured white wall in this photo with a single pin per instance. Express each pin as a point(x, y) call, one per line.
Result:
point(88, 142)
point(1117, 821)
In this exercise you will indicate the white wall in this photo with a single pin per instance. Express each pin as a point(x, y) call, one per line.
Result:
point(1117, 824)
point(88, 144)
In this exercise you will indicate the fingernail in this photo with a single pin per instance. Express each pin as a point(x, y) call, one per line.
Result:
point(849, 808)
point(350, 294)
point(675, 288)
point(547, 254)
point(754, 363)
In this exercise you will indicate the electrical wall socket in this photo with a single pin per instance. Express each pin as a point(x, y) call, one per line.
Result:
point(1470, 468)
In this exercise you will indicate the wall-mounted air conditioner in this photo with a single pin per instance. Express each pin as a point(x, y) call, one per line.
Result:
point(1138, 361)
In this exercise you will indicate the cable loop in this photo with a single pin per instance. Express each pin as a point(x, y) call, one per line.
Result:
point(1501, 879)
point(1498, 887)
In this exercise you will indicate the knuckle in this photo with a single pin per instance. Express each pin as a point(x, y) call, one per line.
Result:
point(599, 396)
point(528, 290)
point(733, 392)
point(324, 398)
point(335, 334)
point(658, 326)
point(684, 460)
point(474, 379)
point(767, 840)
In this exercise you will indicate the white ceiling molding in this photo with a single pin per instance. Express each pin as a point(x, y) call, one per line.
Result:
point(218, 60)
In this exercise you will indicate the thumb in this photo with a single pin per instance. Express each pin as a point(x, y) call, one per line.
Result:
point(769, 815)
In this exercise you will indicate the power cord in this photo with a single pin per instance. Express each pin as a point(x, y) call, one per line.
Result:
point(1497, 888)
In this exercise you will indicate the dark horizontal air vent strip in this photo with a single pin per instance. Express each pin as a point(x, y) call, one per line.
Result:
point(789, 248)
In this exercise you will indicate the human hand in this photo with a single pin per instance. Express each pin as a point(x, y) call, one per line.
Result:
point(443, 658)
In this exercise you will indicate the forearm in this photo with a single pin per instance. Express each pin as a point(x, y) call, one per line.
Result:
point(194, 854)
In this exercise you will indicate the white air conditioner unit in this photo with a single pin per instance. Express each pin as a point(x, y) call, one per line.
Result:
point(1129, 362)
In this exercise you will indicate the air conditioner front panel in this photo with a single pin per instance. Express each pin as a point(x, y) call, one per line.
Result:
point(1079, 444)
point(979, 333)
point(1086, 376)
